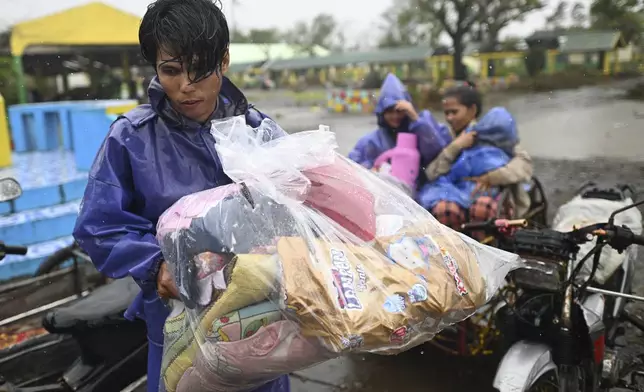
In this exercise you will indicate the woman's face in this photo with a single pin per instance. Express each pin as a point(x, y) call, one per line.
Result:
point(393, 117)
point(196, 101)
point(457, 115)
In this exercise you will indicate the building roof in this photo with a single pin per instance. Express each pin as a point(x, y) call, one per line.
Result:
point(242, 67)
point(253, 53)
point(93, 24)
point(580, 40)
point(591, 41)
point(382, 56)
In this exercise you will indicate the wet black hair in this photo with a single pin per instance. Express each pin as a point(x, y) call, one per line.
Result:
point(194, 31)
point(467, 95)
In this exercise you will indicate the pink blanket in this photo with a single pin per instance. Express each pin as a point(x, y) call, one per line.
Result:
point(274, 350)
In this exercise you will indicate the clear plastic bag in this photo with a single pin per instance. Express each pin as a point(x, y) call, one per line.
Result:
point(306, 257)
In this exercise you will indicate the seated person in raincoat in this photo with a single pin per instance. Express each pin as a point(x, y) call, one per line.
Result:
point(159, 152)
point(463, 106)
point(395, 114)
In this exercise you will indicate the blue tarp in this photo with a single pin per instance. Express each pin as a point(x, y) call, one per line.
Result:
point(496, 137)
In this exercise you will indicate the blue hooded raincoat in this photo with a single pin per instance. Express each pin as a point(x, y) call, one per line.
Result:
point(495, 141)
point(370, 146)
point(151, 158)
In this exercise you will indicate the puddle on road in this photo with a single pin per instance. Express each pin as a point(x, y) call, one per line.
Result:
point(419, 370)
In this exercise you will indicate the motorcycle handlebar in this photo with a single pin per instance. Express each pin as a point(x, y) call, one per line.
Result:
point(13, 250)
point(638, 239)
point(494, 224)
point(619, 237)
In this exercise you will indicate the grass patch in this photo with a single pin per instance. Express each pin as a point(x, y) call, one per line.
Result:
point(310, 97)
point(564, 80)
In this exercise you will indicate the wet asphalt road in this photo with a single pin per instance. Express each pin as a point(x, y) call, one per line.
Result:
point(574, 136)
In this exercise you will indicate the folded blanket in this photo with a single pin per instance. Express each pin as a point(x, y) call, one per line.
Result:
point(251, 279)
point(496, 137)
point(273, 350)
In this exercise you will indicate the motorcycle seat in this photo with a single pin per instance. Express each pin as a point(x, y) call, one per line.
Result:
point(105, 305)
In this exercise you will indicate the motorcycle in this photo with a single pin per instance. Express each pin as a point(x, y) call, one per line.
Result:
point(553, 326)
point(85, 344)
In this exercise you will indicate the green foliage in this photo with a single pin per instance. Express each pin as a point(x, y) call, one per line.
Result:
point(256, 36)
point(623, 15)
point(403, 26)
point(564, 80)
point(460, 19)
point(373, 80)
point(8, 87)
point(322, 31)
point(495, 15)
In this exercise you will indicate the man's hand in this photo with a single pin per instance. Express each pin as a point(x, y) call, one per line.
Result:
point(482, 184)
point(165, 283)
point(407, 108)
point(465, 139)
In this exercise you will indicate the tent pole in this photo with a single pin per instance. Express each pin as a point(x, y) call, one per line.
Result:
point(20, 79)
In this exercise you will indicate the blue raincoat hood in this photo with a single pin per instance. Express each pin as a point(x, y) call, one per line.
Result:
point(496, 137)
point(392, 91)
point(426, 128)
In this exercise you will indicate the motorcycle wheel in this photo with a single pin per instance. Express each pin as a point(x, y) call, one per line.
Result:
point(546, 383)
point(577, 379)
point(55, 260)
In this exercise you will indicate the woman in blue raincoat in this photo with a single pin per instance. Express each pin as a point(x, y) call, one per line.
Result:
point(463, 106)
point(395, 114)
point(160, 152)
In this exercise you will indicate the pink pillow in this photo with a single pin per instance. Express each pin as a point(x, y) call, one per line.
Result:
point(338, 192)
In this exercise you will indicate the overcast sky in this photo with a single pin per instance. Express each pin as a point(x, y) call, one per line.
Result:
point(358, 17)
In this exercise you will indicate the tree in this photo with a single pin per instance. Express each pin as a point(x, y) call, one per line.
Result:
point(403, 27)
point(557, 19)
point(511, 44)
point(256, 36)
point(621, 15)
point(238, 37)
point(456, 18)
point(339, 41)
point(535, 61)
point(265, 36)
point(495, 15)
point(322, 31)
point(578, 15)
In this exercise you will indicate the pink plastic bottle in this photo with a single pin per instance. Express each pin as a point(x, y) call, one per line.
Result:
point(404, 158)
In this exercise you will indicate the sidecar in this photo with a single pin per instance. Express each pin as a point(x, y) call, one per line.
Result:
point(538, 212)
point(477, 335)
point(24, 301)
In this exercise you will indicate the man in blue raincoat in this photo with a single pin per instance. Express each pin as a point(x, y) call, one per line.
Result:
point(160, 152)
point(395, 114)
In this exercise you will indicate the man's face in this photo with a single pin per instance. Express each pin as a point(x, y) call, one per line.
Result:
point(196, 101)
